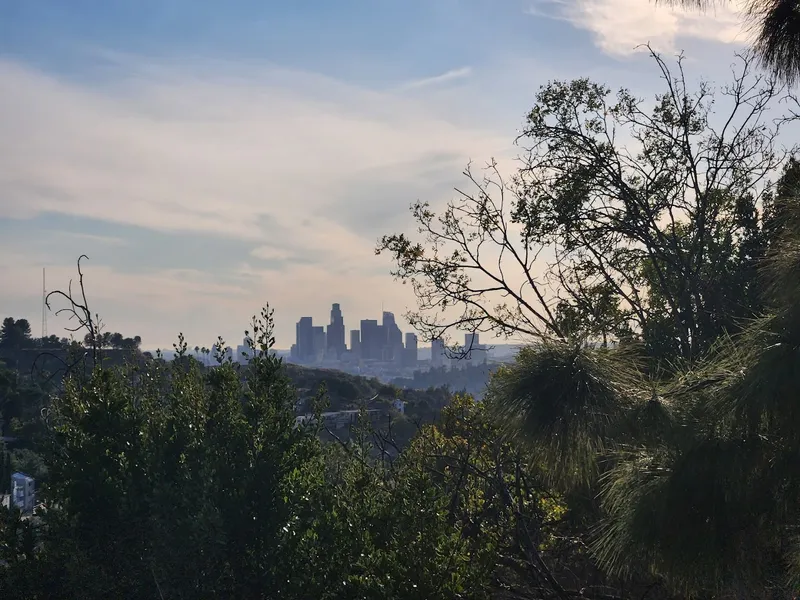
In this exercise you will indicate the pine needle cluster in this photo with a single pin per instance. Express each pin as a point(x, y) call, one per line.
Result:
point(698, 476)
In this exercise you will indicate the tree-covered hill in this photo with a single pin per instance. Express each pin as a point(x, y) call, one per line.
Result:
point(29, 375)
point(347, 391)
point(469, 379)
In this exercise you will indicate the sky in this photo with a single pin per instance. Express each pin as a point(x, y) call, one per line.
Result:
point(210, 157)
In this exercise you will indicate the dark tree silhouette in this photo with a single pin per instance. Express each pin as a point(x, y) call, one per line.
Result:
point(602, 238)
point(15, 334)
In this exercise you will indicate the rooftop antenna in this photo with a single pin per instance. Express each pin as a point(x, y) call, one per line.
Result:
point(44, 305)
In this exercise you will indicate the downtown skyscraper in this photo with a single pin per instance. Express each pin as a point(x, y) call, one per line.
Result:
point(335, 336)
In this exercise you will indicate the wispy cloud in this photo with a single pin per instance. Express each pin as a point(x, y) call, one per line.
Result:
point(90, 237)
point(621, 27)
point(271, 253)
point(293, 163)
point(447, 77)
point(208, 153)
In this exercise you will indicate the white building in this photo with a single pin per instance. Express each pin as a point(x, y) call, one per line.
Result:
point(338, 419)
point(23, 495)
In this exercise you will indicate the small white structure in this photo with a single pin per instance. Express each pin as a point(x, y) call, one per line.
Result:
point(22, 492)
point(338, 419)
point(399, 406)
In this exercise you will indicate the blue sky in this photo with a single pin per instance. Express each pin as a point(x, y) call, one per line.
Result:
point(212, 156)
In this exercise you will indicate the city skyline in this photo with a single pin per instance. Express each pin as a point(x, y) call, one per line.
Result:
point(384, 342)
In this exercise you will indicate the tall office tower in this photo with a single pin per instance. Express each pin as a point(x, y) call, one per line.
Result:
point(437, 352)
point(472, 344)
point(335, 336)
point(473, 349)
point(244, 353)
point(472, 340)
point(410, 354)
point(393, 341)
point(304, 339)
point(371, 339)
point(355, 342)
point(318, 343)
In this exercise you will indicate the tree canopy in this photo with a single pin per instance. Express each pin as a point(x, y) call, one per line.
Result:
point(15, 333)
point(695, 474)
point(172, 480)
point(650, 257)
point(627, 220)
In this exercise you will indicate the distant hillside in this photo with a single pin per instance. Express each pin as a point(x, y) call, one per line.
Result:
point(344, 391)
point(26, 382)
point(471, 379)
point(40, 361)
point(349, 391)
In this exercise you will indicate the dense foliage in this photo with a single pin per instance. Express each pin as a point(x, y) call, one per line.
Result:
point(170, 480)
point(659, 395)
point(345, 391)
point(695, 474)
point(470, 379)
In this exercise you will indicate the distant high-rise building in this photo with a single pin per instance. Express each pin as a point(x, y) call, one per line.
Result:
point(244, 353)
point(304, 339)
point(473, 350)
point(410, 353)
point(355, 342)
point(471, 340)
point(318, 342)
point(438, 355)
point(371, 339)
point(335, 335)
point(393, 342)
point(218, 353)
